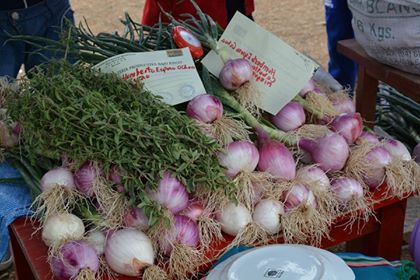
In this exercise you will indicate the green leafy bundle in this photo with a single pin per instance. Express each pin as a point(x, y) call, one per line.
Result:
point(87, 115)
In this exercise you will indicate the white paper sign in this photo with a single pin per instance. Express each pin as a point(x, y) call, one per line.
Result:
point(169, 73)
point(279, 71)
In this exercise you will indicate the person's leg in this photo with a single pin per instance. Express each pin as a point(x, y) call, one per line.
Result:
point(338, 20)
point(11, 52)
point(56, 16)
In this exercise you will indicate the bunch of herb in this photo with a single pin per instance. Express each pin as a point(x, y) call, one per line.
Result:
point(76, 111)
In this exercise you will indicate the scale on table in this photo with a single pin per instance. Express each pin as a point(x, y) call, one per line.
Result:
point(284, 262)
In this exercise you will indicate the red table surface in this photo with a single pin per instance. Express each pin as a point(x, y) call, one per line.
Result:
point(31, 254)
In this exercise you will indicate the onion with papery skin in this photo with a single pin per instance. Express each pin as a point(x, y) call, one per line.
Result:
point(368, 137)
point(397, 149)
point(85, 177)
point(350, 126)
point(330, 152)
point(313, 176)
point(205, 108)
point(378, 158)
point(184, 231)
point(290, 117)
point(344, 106)
point(277, 160)
point(235, 73)
point(97, 240)
point(57, 177)
point(194, 210)
point(346, 189)
point(62, 227)
point(234, 218)
point(267, 214)
point(310, 86)
point(299, 195)
point(171, 193)
point(129, 251)
point(135, 217)
point(74, 257)
point(416, 153)
point(239, 156)
point(115, 174)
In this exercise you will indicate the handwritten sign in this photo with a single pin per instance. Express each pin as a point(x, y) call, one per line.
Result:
point(279, 71)
point(170, 73)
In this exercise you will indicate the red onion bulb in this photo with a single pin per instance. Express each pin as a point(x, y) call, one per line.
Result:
point(170, 193)
point(368, 137)
point(310, 86)
point(239, 156)
point(57, 177)
point(345, 106)
point(330, 152)
point(136, 218)
point(416, 153)
point(313, 176)
point(378, 158)
point(185, 231)
point(85, 178)
point(72, 258)
point(290, 117)
point(277, 160)
point(345, 189)
point(397, 149)
point(205, 108)
point(299, 195)
point(350, 126)
point(194, 210)
point(235, 73)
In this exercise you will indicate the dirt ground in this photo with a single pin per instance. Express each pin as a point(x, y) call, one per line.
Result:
point(300, 25)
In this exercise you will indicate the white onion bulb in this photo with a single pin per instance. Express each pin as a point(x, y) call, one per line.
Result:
point(129, 251)
point(62, 227)
point(234, 218)
point(97, 240)
point(313, 176)
point(397, 149)
point(267, 215)
point(57, 177)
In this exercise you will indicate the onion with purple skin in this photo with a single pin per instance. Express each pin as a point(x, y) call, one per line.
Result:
point(345, 106)
point(277, 160)
point(74, 258)
point(205, 108)
point(345, 189)
point(235, 73)
point(314, 176)
point(350, 126)
point(299, 195)
point(397, 149)
point(369, 137)
point(136, 218)
point(85, 177)
point(115, 174)
point(240, 156)
point(330, 152)
point(194, 210)
point(290, 117)
point(185, 231)
point(378, 158)
point(310, 86)
point(57, 177)
point(170, 193)
point(416, 153)
point(129, 252)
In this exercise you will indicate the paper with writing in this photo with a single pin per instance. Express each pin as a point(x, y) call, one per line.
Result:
point(279, 71)
point(169, 73)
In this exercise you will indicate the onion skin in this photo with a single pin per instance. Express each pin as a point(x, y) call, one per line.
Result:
point(239, 156)
point(290, 117)
point(299, 195)
point(185, 231)
point(368, 137)
point(350, 126)
point(85, 177)
point(194, 210)
point(416, 153)
point(61, 227)
point(136, 218)
point(267, 214)
point(397, 149)
point(314, 176)
point(234, 218)
point(171, 193)
point(57, 177)
point(345, 106)
point(277, 160)
point(345, 189)
point(330, 152)
point(72, 258)
point(129, 251)
point(310, 86)
point(235, 73)
point(378, 158)
point(205, 108)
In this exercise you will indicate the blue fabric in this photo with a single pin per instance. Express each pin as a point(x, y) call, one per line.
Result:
point(15, 200)
point(45, 19)
point(338, 20)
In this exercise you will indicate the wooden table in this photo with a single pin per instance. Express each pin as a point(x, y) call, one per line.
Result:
point(372, 71)
point(378, 237)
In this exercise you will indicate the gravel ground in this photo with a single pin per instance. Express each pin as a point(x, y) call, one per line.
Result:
point(300, 25)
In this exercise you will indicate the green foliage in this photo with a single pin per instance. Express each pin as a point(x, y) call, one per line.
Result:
point(86, 115)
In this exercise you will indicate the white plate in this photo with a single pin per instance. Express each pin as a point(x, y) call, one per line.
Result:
point(285, 262)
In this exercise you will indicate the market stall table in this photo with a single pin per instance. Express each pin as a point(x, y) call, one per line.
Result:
point(370, 73)
point(382, 236)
